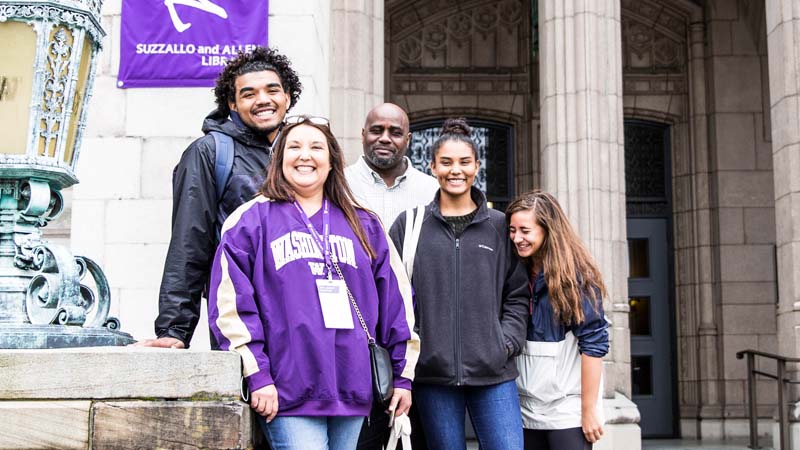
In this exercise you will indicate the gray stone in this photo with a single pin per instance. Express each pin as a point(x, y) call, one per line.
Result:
point(44, 424)
point(737, 83)
point(731, 226)
point(118, 372)
point(759, 225)
point(745, 188)
point(747, 262)
point(134, 266)
point(735, 141)
point(747, 319)
point(109, 169)
point(173, 425)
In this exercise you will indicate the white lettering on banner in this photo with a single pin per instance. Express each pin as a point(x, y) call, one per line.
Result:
point(300, 245)
point(203, 5)
point(208, 54)
point(213, 60)
point(165, 49)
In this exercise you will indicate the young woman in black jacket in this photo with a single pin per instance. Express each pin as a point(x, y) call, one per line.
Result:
point(471, 295)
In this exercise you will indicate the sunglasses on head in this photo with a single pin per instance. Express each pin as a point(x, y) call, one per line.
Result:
point(316, 120)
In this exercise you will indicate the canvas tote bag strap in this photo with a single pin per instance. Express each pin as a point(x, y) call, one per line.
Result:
point(414, 218)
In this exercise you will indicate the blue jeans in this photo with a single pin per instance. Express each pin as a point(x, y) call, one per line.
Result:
point(312, 433)
point(493, 410)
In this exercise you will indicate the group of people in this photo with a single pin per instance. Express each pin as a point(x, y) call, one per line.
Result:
point(304, 260)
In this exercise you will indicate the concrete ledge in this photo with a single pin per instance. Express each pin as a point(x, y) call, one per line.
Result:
point(171, 424)
point(621, 410)
point(44, 424)
point(626, 436)
point(118, 372)
point(621, 430)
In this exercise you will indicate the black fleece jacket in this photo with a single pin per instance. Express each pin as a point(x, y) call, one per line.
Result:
point(471, 297)
point(196, 214)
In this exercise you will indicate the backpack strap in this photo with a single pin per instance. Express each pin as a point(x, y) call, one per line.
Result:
point(414, 218)
point(223, 163)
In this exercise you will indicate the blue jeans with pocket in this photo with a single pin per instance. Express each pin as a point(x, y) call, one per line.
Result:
point(493, 411)
point(312, 433)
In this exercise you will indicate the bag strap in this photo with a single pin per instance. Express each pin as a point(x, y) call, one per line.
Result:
point(370, 339)
point(223, 161)
point(414, 218)
point(401, 431)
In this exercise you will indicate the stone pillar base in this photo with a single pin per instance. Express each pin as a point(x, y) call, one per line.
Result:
point(715, 430)
point(122, 398)
point(794, 436)
point(621, 431)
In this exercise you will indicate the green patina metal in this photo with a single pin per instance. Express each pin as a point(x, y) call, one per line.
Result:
point(48, 297)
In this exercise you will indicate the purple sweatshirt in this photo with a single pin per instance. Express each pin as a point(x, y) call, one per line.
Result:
point(263, 303)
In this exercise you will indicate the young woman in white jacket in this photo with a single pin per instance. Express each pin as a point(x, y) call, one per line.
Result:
point(561, 365)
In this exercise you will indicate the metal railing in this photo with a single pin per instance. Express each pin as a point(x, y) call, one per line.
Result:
point(783, 382)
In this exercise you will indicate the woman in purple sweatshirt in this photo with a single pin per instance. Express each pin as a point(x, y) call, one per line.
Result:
point(277, 299)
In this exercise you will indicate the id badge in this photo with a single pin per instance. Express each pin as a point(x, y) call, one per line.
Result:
point(335, 304)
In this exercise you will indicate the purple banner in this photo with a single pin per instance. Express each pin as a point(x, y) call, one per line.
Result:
point(185, 43)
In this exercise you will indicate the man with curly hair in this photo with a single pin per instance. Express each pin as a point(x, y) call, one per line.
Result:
point(253, 94)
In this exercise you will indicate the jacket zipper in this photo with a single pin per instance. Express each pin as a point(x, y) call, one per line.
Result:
point(458, 313)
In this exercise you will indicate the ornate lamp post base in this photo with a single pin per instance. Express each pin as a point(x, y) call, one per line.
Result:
point(59, 336)
point(48, 297)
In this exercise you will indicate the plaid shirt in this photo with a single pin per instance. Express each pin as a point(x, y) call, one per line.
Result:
point(410, 189)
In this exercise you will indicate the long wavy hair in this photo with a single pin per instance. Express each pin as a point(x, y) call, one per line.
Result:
point(336, 190)
point(569, 269)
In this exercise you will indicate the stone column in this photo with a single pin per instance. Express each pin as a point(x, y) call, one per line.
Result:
point(357, 80)
point(783, 44)
point(583, 146)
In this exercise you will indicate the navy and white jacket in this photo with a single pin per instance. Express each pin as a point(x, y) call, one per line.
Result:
point(549, 367)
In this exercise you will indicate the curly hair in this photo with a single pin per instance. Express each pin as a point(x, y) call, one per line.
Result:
point(262, 58)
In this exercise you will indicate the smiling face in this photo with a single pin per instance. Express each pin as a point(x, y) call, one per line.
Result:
point(455, 167)
point(526, 233)
point(261, 101)
point(306, 160)
point(385, 137)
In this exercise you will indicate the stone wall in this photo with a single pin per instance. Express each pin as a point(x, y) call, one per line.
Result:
point(742, 212)
point(121, 210)
point(122, 398)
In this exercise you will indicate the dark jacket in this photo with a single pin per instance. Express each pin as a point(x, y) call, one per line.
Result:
point(471, 297)
point(591, 334)
point(196, 214)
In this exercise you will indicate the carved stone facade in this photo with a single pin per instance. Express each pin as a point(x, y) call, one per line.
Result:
point(471, 58)
point(679, 60)
point(698, 67)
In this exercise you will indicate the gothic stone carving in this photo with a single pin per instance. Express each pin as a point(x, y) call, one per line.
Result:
point(447, 35)
point(654, 38)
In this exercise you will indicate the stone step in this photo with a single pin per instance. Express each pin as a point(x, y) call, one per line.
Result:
point(174, 425)
point(44, 424)
point(119, 373)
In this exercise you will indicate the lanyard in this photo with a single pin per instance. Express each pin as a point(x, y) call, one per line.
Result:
point(322, 241)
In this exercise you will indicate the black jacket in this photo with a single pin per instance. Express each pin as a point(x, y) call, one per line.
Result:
point(196, 214)
point(471, 297)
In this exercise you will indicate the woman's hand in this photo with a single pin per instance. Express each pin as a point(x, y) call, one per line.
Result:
point(265, 401)
point(592, 430)
point(401, 401)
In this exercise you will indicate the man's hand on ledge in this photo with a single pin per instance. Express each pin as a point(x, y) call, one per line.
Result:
point(163, 342)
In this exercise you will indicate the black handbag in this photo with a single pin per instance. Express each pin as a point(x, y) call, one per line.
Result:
point(379, 359)
point(382, 374)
